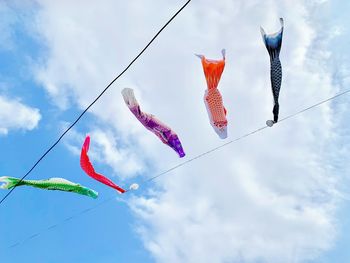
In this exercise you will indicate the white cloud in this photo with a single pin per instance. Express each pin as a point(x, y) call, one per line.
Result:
point(12, 14)
point(8, 20)
point(269, 198)
point(15, 115)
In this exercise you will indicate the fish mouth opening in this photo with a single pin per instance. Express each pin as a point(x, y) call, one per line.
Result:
point(91, 193)
point(175, 143)
point(178, 149)
point(181, 154)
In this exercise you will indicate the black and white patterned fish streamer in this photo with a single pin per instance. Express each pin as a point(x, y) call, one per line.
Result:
point(273, 43)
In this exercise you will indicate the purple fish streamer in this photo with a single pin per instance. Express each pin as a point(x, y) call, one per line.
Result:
point(162, 131)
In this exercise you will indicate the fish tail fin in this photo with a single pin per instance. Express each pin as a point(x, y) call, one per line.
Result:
point(129, 97)
point(86, 144)
point(273, 42)
point(223, 52)
point(213, 69)
point(200, 56)
point(275, 112)
point(8, 182)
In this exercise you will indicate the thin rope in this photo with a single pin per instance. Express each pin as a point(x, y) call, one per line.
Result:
point(87, 210)
point(246, 135)
point(205, 153)
point(180, 165)
point(95, 100)
point(315, 105)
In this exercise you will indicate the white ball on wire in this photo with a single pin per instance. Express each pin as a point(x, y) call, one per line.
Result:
point(134, 187)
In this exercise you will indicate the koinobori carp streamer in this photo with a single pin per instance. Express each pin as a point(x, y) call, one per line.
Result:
point(59, 184)
point(89, 169)
point(212, 97)
point(149, 121)
point(273, 43)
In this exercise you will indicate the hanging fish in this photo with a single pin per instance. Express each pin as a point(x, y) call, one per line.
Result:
point(59, 184)
point(273, 43)
point(212, 98)
point(163, 132)
point(89, 169)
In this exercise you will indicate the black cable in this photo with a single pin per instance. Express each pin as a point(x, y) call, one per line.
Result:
point(95, 100)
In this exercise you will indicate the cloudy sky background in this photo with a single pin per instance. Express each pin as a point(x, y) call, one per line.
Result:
point(278, 196)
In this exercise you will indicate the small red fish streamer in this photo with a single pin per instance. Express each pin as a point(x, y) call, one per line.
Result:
point(89, 169)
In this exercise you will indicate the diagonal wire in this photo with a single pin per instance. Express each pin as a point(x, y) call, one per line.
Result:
point(205, 153)
point(315, 105)
point(95, 100)
point(182, 164)
point(51, 227)
point(246, 135)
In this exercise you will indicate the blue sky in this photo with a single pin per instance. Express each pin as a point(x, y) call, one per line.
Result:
point(91, 237)
point(55, 57)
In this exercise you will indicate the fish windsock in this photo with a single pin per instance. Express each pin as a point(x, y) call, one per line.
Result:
point(273, 43)
point(89, 169)
point(149, 121)
point(58, 184)
point(212, 98)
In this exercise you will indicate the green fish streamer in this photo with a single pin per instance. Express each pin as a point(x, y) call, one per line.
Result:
point(59, 184)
